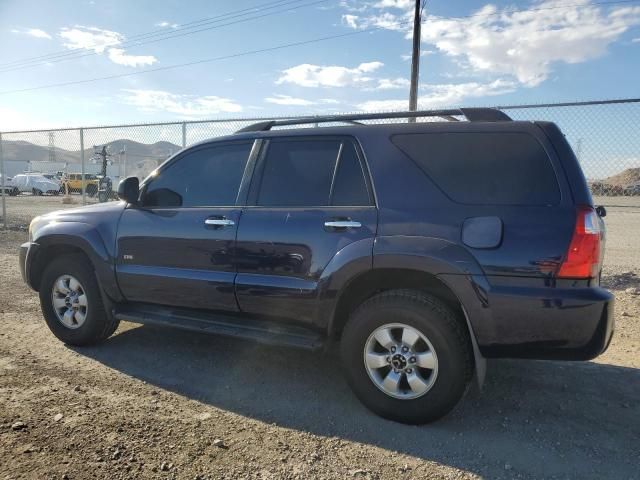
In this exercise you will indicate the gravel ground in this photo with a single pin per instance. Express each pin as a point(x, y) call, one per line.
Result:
point(153, 403)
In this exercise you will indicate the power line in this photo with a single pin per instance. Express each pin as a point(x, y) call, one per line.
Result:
point(136, 40)
point(192, 24)
point(168, 35)
point(257, 51)
point(197, 62)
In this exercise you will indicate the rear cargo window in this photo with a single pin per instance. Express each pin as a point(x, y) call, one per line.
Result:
point(485, 168)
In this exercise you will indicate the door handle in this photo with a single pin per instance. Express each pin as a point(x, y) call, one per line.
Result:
point(342, 224)
point(219, 222)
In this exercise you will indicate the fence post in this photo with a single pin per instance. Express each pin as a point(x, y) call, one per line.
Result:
point(82, 182)
point(184, 134)
point(2, 174)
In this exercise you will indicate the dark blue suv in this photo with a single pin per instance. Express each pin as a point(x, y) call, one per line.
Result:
point(422, 247)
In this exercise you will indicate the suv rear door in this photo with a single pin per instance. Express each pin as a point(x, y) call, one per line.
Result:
point(309, 199)
point(176, 248)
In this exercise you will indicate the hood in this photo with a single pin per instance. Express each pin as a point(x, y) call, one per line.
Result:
point(81, 214)
point(103, 217)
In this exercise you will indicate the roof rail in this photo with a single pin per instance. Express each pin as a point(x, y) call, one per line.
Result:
point(471, 114)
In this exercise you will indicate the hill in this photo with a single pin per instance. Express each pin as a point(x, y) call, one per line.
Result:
point(625, 179)
point(21, 151)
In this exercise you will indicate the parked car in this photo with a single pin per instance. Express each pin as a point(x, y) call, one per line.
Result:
point(75, 182)
point(36, 183)
point(632, 190)
point(8, 187)
point(422, 248)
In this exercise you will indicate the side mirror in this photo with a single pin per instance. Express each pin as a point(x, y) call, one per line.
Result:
point(129, 190)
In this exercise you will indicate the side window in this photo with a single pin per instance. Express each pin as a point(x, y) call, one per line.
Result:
point(298, 173)
point(349, 186)
point(204, 178)
point(491, 168)
point(312, 173)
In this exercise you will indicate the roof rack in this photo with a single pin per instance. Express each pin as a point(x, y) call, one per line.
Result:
point(471, 114)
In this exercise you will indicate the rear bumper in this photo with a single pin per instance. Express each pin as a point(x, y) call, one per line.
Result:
point(542, 322)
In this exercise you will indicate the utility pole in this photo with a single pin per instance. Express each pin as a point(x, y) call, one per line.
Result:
point(415, 59)
point(52, 147)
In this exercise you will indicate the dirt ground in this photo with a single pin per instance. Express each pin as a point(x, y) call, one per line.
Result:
point(153, 403)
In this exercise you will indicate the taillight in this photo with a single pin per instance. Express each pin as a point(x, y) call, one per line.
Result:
point(583, 257)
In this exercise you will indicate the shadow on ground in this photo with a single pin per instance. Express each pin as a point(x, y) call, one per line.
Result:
point(621, 281)
point(534, 418)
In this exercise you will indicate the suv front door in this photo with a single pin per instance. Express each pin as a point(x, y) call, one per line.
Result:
point(309, 199)
point(176, 247)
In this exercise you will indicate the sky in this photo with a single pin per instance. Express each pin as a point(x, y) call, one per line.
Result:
point(257, 58)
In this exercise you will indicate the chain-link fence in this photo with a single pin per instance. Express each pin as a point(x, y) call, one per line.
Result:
point(42, 171)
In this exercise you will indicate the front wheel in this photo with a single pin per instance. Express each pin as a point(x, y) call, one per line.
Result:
point(407, 356)
point(71, 302)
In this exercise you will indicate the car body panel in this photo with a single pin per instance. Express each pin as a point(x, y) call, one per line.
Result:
point(171, 257)
point(283, 252)
point(92, 229)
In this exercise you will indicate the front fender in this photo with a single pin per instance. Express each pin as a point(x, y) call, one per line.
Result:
point(84, 237)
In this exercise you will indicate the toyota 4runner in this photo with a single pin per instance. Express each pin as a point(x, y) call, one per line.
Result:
point(422, 248)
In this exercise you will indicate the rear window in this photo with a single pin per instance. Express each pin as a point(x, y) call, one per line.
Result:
point(498, 168)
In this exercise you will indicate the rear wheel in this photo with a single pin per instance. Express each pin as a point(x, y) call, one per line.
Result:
point(71, 302)
point(35, 191)
point(407, 357)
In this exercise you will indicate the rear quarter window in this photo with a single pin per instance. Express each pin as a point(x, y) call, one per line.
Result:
point(496, 168)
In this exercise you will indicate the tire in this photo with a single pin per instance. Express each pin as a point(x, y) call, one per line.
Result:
point(15, 192)
point(451, 360)
point(91, 190)
point(35, 191)
point(96, 326)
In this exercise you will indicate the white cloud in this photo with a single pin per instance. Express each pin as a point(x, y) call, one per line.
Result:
point(439, 95)
point(300, 102)
point(392, 83)
point(90, 38)
point(308, 75)
point(101, 41)
point(184, 105)
point(350, 20)
point(521, 44)
point(423, 53)
point(33, 32)
point(526, 44)
point(636, 40)
point(165, 24)
point(118, 55)
point(401, 4)
point(287, 100)
point(354, 5)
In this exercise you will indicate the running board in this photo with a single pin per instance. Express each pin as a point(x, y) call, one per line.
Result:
point(265, 332)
